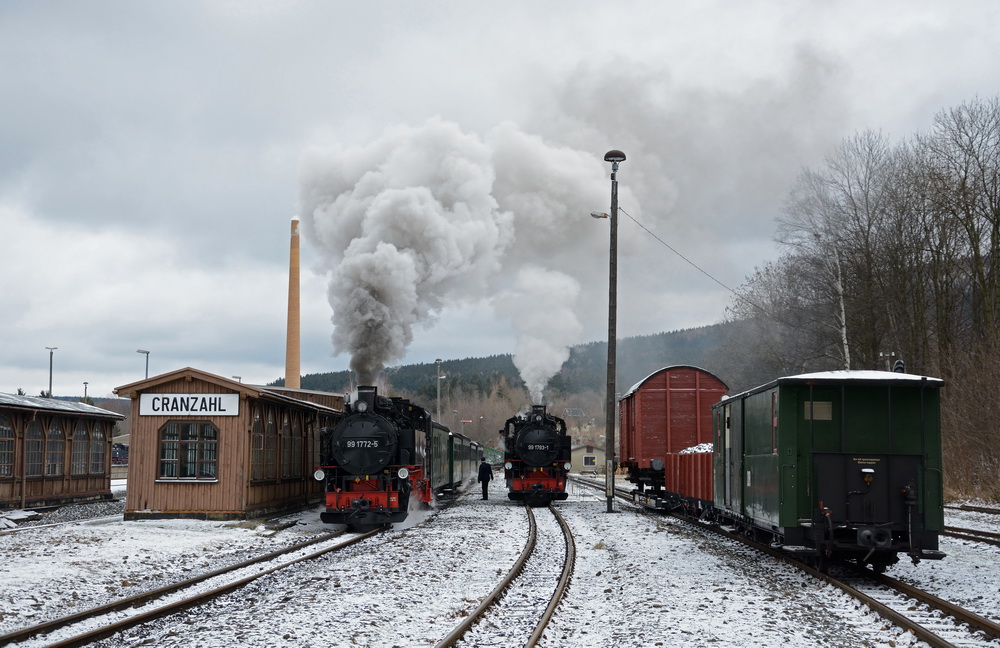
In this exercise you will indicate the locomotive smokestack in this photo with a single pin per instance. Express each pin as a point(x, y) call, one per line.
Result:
point(292, 346)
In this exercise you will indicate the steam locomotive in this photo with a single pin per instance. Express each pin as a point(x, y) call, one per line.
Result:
point(384, 455)
point(536, 457)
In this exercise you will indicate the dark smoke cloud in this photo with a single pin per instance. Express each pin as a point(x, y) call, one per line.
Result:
point(429, 216)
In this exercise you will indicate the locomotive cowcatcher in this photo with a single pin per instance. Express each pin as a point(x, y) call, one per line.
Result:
point(536, 457)
point(374, 460)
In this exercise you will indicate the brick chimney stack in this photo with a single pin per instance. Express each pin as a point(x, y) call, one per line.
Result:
point(293, 369)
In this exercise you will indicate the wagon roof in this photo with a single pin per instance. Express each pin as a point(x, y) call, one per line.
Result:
point(55, 405)
point(636, 386)
point(850, 377)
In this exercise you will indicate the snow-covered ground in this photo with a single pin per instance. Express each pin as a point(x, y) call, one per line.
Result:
point(640, 580)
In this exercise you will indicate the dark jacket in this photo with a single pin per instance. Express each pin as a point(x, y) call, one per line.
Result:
point(485, 472)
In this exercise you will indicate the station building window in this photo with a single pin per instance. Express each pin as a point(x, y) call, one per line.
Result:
point(97, 450)
point(189, 450)
point(6, 447)
point(55, 449)
point(270, 447)
point(81, 449)
point(34, 449)
point(291, 446)
point(257, 446)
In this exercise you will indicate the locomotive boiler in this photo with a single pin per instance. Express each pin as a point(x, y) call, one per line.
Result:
point(536, 457)
point(385, 455)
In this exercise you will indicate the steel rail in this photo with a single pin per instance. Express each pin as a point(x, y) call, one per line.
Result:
point(975, 535)
point(456, 634)
point(973, 620)
point(105, 631)
point(563, 584)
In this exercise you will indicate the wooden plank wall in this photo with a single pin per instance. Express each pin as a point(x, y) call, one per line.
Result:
point(233, 495)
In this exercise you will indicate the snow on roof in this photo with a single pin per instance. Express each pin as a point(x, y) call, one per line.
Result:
point(845, 375)
point(636, 386)
point(53, 404)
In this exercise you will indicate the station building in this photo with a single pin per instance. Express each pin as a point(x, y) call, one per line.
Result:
point(207, 447)
point(53, 452)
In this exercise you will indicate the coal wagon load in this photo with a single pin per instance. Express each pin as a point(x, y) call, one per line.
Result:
point(665, 423)
point(536, 457)
point(840, 465)
point(385, 455)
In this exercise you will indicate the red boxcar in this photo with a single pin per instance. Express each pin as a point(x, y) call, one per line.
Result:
point(665, 424)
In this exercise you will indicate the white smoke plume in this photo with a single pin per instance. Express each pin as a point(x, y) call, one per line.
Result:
point(542, 304)
point(429, 216)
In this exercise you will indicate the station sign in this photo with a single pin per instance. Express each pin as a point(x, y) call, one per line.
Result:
point(189, 404)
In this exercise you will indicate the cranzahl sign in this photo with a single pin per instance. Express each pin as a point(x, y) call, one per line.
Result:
point(189, 405)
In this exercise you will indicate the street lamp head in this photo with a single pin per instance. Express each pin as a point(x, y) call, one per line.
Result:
point(599, 215)
point(141, 351)
point(615, 156)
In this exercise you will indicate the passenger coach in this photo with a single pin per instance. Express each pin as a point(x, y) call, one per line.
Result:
point(839, 464)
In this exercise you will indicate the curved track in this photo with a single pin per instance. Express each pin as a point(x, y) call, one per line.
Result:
point(90, 625)
point(525, 600)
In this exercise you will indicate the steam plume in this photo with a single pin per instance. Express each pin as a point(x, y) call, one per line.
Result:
point(430, 216)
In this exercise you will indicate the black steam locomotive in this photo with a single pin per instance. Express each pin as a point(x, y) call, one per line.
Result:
point(383, 455)
point(536, 457)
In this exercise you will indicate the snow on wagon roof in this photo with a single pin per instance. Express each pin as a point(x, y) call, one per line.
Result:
point(847, 376)
point(867, 376)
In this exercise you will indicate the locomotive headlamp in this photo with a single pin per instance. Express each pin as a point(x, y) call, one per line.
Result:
point(403, 472)
point(567, 465)
point(361, 406)
point(319, 475)
point(508, 465)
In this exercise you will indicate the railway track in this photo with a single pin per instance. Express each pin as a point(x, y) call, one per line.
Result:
point(87, 626)
point(936, 622)
point(975, 535)
point(525, 600)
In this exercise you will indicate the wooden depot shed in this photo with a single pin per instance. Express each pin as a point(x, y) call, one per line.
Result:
point(208, 447)
point(53, 451)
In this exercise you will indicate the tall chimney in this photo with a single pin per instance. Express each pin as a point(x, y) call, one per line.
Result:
point(292, 346)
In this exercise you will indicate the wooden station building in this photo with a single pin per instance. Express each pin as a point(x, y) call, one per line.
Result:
point(53, 451)
point(208, 447)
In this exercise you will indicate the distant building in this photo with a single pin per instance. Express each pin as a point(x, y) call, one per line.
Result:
point(53, 451)
point(588, 458)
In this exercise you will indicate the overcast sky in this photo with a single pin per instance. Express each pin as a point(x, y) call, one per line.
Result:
point(152, 156)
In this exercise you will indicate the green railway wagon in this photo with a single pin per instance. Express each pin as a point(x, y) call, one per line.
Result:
point(839, 465)
point(453, 458)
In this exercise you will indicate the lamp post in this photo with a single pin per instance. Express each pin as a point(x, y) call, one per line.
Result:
point(147, 359)
point(85, 383)
point(614, 157)
point(51, 351)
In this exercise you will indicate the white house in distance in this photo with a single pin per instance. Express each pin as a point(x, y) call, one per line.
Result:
point(588, 459)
